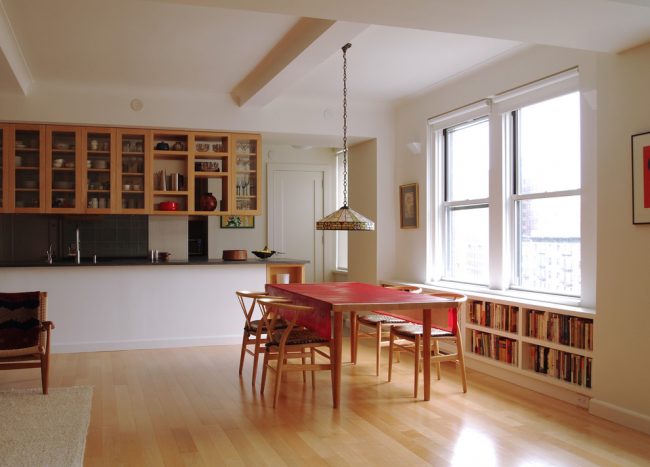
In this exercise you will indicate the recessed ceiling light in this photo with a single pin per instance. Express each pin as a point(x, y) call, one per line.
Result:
point(136, 105)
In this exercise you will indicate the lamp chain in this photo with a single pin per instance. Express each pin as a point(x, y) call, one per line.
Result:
point(345, 125)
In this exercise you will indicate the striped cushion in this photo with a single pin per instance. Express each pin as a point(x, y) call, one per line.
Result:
point(297, 337)
point(413, 330)
point(375, 318)
point(19, 320)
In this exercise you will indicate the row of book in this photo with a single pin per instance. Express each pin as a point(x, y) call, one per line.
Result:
point(493, 315)
point(562, 329)
point(566, 366)
point(496, 347)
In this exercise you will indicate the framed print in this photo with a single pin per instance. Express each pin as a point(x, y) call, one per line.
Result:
point(641, 178)
point(408, 206)
point(237, 222)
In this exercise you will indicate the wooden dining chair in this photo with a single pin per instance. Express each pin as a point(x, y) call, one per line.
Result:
point(255, 331)
point(408, 337)
point(377, 326)
point(291, 343)
point(25, 333)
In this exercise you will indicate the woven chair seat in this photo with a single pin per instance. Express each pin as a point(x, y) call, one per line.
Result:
point(279, 324)
point(297, 337)
point(413, 330)
point(375, 318)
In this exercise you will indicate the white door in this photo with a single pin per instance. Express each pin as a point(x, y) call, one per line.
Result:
point(295, 204)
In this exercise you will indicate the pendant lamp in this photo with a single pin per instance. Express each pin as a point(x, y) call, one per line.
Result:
point(345, 218)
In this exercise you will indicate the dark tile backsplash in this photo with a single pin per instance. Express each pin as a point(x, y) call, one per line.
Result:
point(26, 237)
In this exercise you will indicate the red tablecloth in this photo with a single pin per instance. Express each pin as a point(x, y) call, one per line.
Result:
point(324, 296)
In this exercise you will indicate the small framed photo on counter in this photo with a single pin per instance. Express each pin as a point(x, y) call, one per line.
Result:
point(237, 222)
point(408, 206)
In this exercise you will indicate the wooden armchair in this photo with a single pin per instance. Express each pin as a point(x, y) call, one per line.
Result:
point(25, 333)
point(377, 326)
point(408, 337)
point(290, 343)
point(255, 331)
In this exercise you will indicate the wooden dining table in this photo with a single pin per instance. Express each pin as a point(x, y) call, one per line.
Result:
point(332, 299)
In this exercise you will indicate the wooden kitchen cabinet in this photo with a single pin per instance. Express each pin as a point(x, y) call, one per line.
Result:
point(26, 167)
point(211, 170)
point(63, 160)
point(247, 174)
point(171, 173)
point(132, 169)
point(98, 170)
point(4, 167)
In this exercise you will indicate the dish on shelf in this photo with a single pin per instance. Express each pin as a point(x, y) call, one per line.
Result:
point(57, 163)
point(126, 187)
point(20, 145)
point(61, 146)
point(209, 166)
point(63, 185)
point(100, 164)
point(69, 165)
point(168, 206)
point(202, 147)
point(136, 187)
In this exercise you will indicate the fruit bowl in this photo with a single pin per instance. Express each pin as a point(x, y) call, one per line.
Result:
point(263, 254)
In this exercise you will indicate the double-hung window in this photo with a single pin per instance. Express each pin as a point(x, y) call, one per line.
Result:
point(506, 206)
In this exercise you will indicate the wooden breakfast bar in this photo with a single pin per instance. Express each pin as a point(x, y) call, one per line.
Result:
point(332, 299)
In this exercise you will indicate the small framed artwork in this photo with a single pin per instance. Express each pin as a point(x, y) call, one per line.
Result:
point(408, 206)
point(641, 178)
point(237, 222)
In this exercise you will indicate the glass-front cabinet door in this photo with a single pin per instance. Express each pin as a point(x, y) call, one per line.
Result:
point(132, 167)
point(4, 167)
point(63, 169)
point(246, 174)
point(27, 166)
point(211, 170)
point(98, 171)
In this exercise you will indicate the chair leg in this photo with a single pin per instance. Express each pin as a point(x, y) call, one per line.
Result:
point(313, 373)
point(378, 330)
point(304, 373)
point(461, 360)
point(256, 356)
point(391, 341)
point(332, 352)
point(45, 363)
point(436, 352)
point(265, 366)
point(278, 376)
point(243, 352)
point(416, 357)
point(354, 337)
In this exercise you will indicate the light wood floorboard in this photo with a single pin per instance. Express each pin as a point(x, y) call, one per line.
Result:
point(188, 406)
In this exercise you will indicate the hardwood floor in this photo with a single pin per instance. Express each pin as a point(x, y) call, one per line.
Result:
point(189, 407)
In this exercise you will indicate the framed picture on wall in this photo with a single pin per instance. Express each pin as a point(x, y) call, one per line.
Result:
point(641, 178)
point(408, 206)
point(237, 222)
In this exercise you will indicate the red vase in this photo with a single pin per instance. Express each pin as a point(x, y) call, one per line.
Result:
point(208, 202)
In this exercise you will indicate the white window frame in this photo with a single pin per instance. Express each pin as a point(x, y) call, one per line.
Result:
point(501, 201)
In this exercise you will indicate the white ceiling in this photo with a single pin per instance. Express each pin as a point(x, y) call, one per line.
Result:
point(210, 46)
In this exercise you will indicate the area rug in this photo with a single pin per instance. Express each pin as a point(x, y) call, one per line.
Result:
point(39, 430)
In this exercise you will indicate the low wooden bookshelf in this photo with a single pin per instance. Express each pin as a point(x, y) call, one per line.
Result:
point(552, 343)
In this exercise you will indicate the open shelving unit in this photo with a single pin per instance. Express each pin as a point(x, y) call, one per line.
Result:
point(551, 343)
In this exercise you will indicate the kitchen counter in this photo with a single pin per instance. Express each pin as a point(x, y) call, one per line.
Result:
point(136, 304)
point(146, 262)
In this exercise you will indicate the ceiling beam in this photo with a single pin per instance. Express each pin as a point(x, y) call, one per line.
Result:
point(305, 46)
point(11, 52)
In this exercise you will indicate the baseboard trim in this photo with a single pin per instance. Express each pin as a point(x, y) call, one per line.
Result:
point(620, 415)
point(550, 390)
point(145, 344)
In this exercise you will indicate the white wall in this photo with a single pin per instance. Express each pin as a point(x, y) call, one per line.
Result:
point(615, 253)
point(623, 295)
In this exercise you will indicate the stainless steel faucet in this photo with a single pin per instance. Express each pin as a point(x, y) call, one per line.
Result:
point(50, 253)
point(78, 256)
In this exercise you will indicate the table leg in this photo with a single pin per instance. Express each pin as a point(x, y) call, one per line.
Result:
point(353, 337)
point(426, 348)
point(336, 359)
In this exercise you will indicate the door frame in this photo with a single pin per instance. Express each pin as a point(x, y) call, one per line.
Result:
point(329, 238)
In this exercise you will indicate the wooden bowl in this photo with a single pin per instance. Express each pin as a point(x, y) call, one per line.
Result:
point(234, 255)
